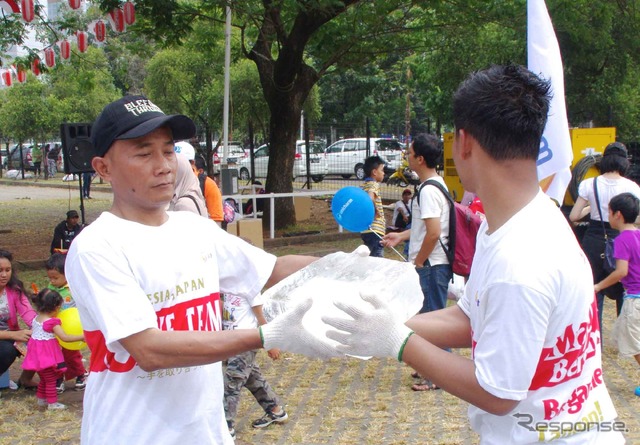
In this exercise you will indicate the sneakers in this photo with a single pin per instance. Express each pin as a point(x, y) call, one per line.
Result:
point(232, 430)
point(42, 402)
point(60, 386)
point(56, 405)
point(81, 383)
point(269, 418)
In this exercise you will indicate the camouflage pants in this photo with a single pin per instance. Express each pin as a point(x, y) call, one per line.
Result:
point(243, 371)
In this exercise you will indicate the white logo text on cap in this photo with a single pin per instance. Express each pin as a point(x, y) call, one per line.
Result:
point(141, 106)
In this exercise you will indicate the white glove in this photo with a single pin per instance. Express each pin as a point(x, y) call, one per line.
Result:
point(287, 333)
point(374, 331)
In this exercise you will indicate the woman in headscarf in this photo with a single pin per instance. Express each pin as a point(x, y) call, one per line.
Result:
point(187, 194)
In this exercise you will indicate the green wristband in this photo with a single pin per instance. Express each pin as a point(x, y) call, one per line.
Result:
point(261, 336)
point(404, 343)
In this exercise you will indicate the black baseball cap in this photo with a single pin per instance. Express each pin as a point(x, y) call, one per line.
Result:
point(133, 117)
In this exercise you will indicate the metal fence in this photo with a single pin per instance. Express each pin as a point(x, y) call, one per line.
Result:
point(328, 168)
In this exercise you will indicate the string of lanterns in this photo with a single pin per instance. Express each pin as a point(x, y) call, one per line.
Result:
point(118, 18)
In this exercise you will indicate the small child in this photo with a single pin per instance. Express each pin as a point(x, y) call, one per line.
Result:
point(73, 359)
point(374, 175)
point(243, 371)
point(623, 212)
point(44, 354)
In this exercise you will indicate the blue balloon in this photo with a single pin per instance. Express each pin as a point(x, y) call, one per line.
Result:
point(353, 209)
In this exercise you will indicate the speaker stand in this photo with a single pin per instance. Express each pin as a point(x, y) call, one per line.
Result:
point(81, 198)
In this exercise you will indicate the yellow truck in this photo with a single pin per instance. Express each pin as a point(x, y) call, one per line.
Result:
point(585, 143)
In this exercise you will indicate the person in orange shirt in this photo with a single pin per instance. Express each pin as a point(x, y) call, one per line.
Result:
point(210, 190)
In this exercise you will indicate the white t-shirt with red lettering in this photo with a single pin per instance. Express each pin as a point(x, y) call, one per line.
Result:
point(535, 335)
point(127, 277)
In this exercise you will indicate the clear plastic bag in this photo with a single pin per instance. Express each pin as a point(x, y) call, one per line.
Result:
point(341, 276)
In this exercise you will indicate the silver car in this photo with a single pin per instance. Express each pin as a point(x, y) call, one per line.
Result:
point(235, 154)
point(317, 162)
point(346, 157)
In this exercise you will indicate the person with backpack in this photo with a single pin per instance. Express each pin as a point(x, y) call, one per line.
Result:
point(429, 233)
point(528, 314)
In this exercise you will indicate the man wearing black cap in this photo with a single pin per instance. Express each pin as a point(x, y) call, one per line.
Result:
point(147, 284)
point(65, 232)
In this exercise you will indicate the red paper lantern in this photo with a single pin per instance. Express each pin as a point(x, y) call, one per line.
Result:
point(65, 49)
point(22, 75)
point(74, 4)
point(28, 13)
point(116, 18)
point(6, 77)
point(100, 30)
point(129, 13)
point(83, 41)
point(50, 57)
point(10, 6)
point(35, 66)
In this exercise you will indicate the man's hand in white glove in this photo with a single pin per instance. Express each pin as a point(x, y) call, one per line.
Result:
point(374, 331)
point(287, 333)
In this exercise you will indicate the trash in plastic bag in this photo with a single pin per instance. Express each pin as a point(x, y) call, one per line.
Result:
point(341, 276)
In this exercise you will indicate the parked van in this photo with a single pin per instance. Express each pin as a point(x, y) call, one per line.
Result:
point(346, 157)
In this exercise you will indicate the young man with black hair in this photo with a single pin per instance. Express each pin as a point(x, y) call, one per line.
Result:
point(429, 226)
point(528, 312)
point(429, 231)
point(147, 284)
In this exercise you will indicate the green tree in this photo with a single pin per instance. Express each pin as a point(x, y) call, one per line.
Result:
point(293, 44)
point(25, 111)
point(80, 87)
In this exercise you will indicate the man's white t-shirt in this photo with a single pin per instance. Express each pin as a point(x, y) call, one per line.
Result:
point(535, 334)
point(128, 277)
point(400, 208)
point(433, 204)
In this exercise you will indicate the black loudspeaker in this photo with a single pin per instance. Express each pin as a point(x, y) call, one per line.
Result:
point(77, 149)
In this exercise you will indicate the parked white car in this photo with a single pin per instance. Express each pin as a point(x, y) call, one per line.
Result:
point(346, 157)
point(236, 154)
point(317, 163)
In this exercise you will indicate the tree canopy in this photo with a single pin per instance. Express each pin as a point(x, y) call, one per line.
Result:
point(392, 63)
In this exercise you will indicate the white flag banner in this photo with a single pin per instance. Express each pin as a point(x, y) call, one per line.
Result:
point(556, 155)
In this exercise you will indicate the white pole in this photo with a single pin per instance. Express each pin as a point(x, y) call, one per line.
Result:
point(302, 125)
point(225, 110)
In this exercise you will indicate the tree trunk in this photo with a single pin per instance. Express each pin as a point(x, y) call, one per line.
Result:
point(282, 144)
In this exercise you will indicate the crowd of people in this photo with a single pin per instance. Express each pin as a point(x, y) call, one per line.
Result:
point(154, 312)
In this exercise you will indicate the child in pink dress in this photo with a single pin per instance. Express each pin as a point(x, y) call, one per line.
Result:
point(44, 354)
